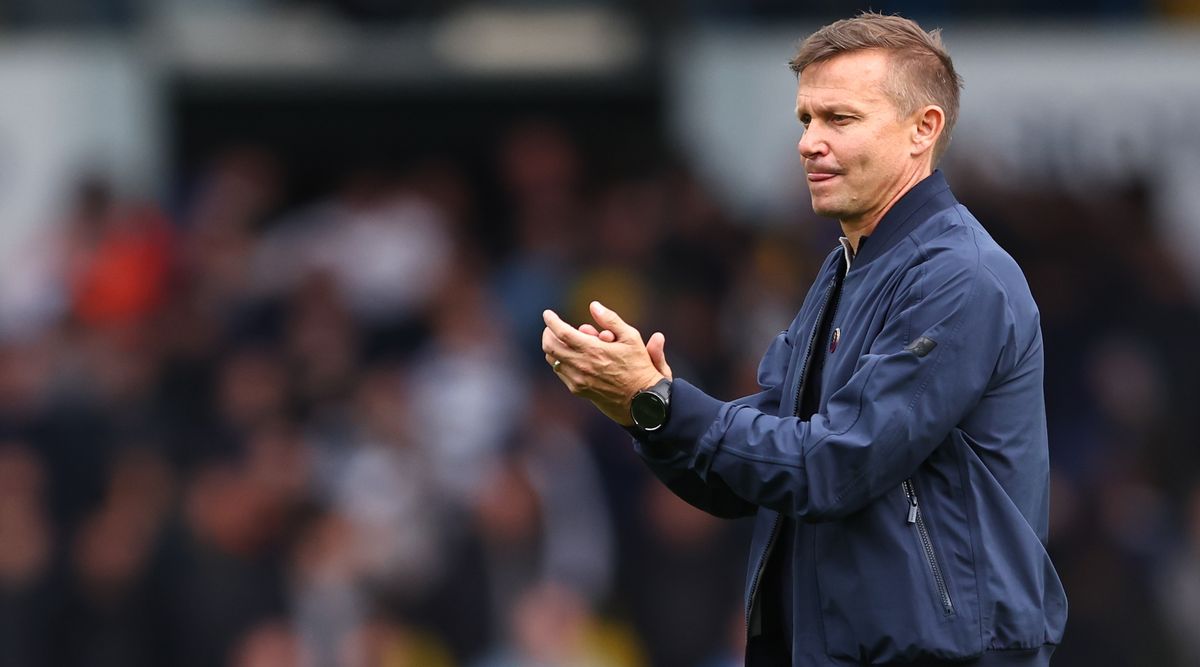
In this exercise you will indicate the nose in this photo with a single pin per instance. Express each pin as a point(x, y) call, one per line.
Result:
point(811, 144)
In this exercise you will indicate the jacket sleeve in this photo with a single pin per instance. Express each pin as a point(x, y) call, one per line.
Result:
point(930, 364)
point(672, 464)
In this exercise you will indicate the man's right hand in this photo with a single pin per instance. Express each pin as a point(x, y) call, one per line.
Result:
point(656, 346)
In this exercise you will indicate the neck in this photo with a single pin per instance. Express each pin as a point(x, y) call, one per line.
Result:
point(854, 229)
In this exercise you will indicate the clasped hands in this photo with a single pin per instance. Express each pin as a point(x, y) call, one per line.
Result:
point(608, 365)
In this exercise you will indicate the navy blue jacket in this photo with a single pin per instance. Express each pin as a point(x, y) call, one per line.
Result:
point(920, 487)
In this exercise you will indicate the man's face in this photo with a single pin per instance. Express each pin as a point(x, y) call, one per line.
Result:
point(856, 149)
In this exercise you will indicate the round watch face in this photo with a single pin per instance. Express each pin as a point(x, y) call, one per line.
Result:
point(648, 410)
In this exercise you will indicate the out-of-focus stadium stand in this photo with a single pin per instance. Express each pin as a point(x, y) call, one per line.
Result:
point(271, 276)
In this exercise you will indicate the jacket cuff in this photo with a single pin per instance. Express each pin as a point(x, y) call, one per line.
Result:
point(692, 414)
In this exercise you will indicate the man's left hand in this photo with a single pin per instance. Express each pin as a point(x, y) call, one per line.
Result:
point(605, 368)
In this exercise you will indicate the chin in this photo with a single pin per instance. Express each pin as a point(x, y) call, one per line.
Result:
point(827, 210)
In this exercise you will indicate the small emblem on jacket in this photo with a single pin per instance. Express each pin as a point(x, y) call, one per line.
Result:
point(921, 346)
point(837, 335)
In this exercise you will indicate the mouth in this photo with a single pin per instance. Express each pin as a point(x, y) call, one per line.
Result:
point(821, 176)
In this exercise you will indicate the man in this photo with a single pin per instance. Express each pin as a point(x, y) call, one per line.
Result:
point(896, 459)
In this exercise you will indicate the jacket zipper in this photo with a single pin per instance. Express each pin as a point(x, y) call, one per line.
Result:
point(762, 565)
point(914, 516)
point(812, 341)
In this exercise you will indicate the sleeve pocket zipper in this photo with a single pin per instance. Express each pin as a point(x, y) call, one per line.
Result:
point(915, 517)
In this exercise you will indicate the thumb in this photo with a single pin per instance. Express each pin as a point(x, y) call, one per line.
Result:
point(658, 354)
point(613, 322)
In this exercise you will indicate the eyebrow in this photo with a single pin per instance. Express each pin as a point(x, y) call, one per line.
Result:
point(837, 104)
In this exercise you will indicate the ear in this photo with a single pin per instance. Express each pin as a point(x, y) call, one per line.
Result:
point(927, 126)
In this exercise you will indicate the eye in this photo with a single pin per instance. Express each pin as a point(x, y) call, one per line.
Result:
point(805, 119)
point(840, 119)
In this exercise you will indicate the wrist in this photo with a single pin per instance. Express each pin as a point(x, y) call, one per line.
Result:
point(650, 408)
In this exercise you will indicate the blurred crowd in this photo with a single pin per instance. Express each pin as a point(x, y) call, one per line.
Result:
point(242, 428)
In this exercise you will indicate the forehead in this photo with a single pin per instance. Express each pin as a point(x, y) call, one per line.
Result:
point(858, 76)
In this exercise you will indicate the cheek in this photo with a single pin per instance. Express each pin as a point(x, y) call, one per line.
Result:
point(859, 150)
point(890, 145)
point(875, 153)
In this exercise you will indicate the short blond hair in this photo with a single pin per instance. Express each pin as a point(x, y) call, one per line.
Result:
point(922, 72)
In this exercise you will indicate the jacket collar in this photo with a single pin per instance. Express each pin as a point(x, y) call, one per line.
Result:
point(930, 195)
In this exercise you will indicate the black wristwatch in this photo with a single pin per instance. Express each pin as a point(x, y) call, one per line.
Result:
point(651, 407)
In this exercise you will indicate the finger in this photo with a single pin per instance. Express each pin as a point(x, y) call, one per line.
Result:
point(553, 347)
point(656, 346)
point(567, 334)
point(613, 322)
point(565, 378)
point(606, 335)
point(564, 373)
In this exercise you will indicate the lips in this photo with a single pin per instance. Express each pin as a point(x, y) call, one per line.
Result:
point(821, 174)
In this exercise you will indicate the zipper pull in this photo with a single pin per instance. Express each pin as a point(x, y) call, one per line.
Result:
point(912, 501)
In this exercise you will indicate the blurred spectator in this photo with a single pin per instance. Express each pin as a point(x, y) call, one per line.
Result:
point(111, 611)
point(1178, 585)
point(119, 259)
point(399, 516)
point(553, 627)
point(222, 222)
point(466, 385)
point(541, 512)
point(323, 345)
point(106, 263)
point(394, 540)
point(576, 533)
point(684, 579)
point(540, 170)
point(27, 597)
point(252, 388)
point(765, 291)
point(386, 248)
point(1112, 602)
point(222, 573)
point(270, 644)
point(384, 643)
point(327, 602)
point(508, 518)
